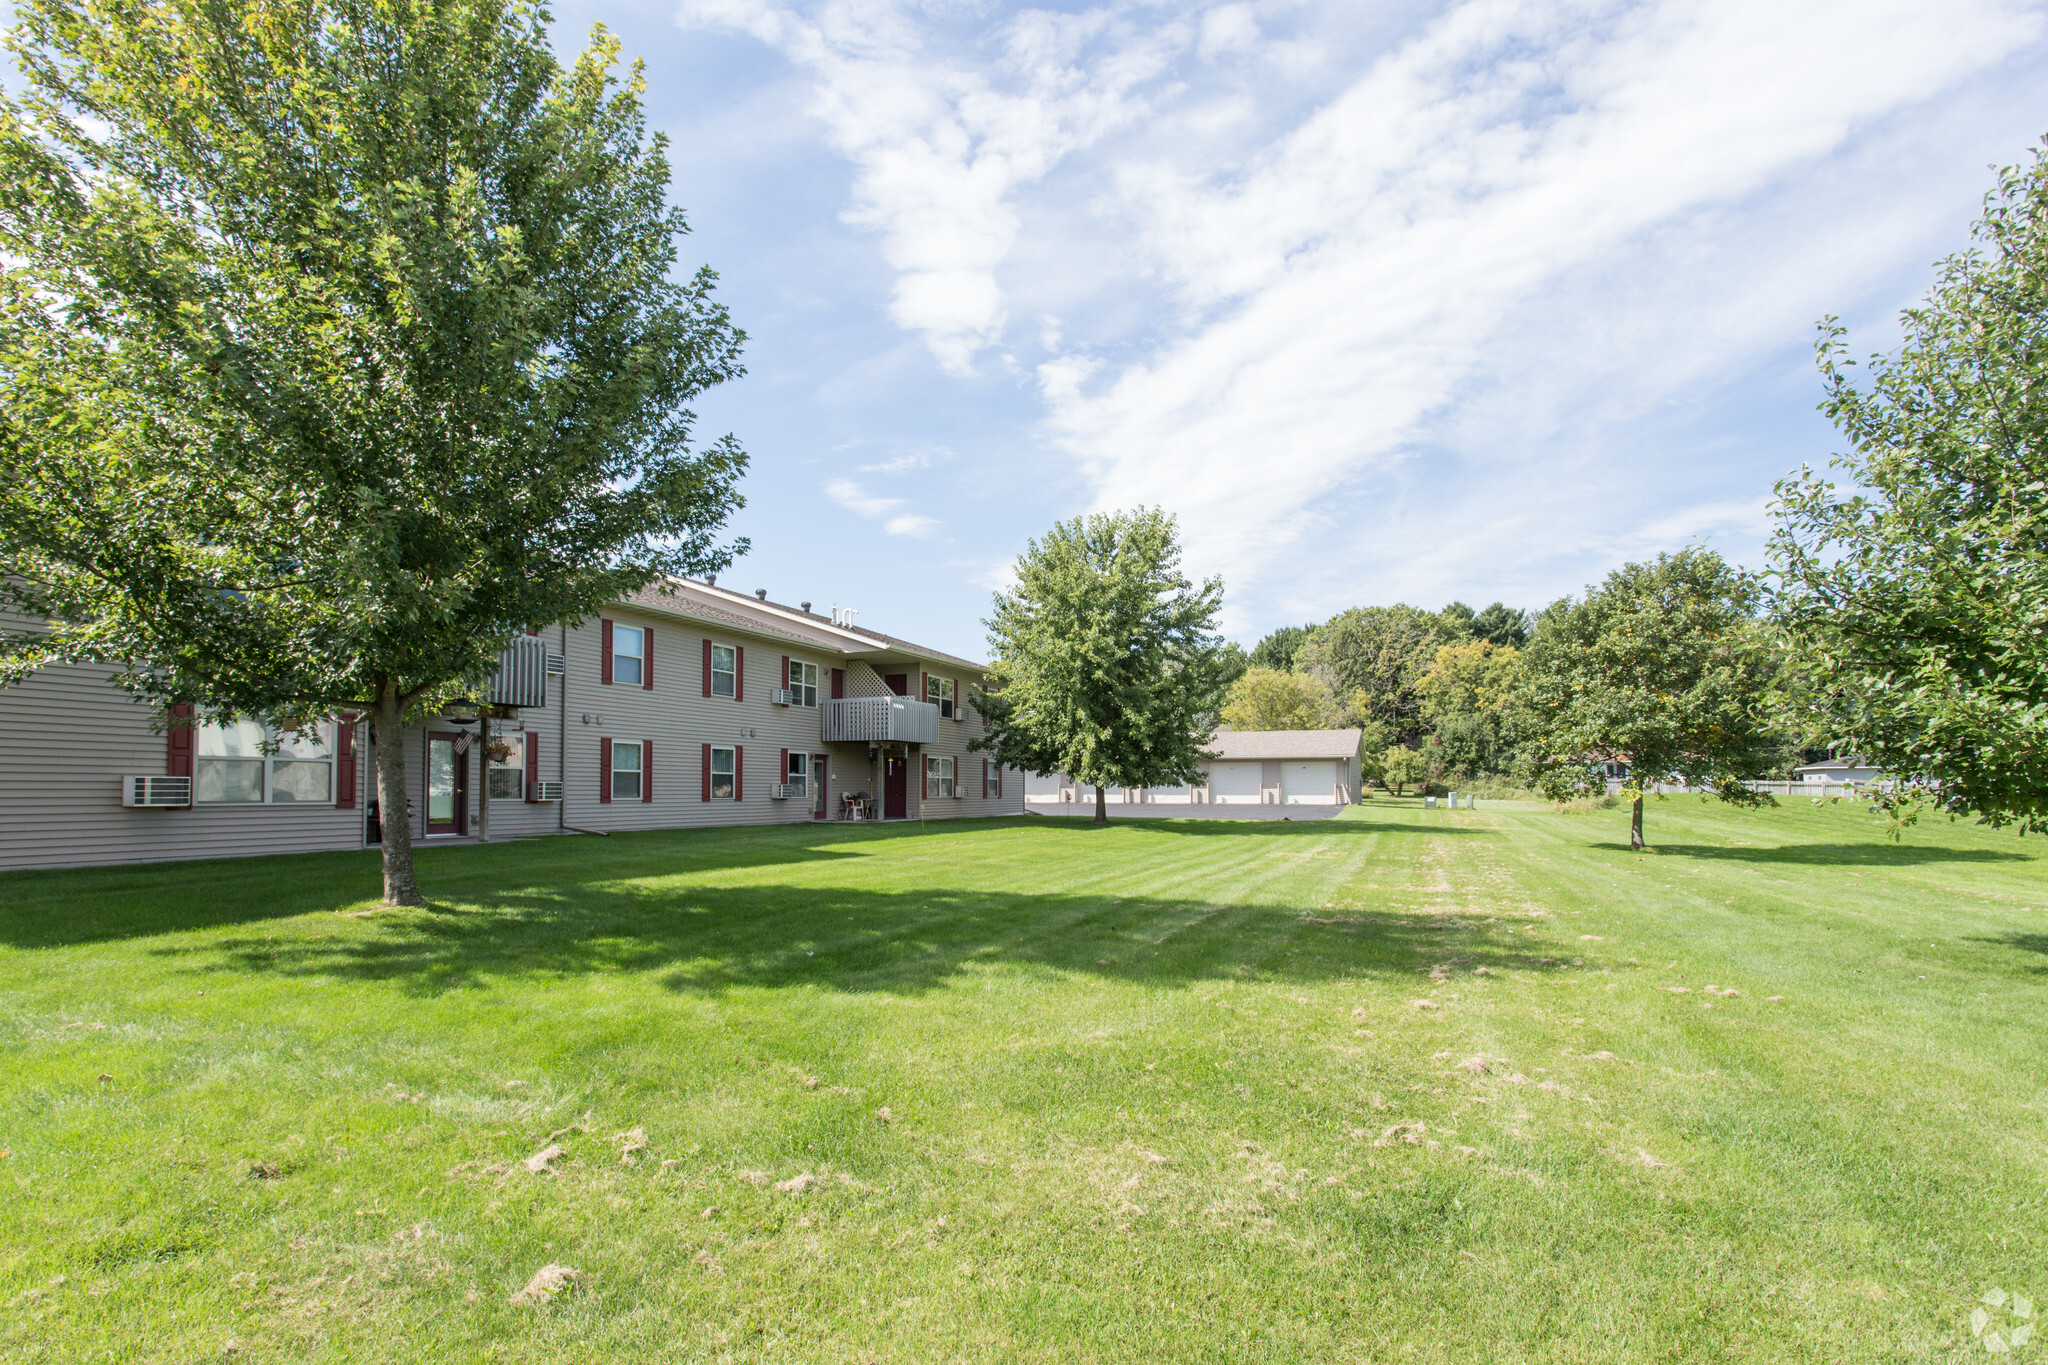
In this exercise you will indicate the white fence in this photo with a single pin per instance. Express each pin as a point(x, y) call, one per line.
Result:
point(1854, 790)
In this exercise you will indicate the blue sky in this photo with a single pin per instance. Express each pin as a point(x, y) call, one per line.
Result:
point(1394, 302)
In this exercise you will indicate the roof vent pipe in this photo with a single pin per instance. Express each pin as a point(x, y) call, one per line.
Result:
point(761, 593)
point(712, 579)
point(806, 606)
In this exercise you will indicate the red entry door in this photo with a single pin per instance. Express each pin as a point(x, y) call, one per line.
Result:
point(818, 775)
point(895, 787)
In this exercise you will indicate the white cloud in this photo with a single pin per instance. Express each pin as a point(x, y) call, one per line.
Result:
point(906, 463)
point(1345, 287)
point(940, 144)
point(1228, 28)
point(1370, 326)
point(857, 500)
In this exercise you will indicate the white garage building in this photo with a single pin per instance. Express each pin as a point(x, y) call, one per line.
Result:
point(1251, 768)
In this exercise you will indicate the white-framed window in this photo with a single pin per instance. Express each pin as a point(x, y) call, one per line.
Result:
point(629, 654)
point(506, 769)
point(724, 787)
point(939, 692)
point(938, 775)
point(993, 785)
point(799, 773)
point(724, 671)
point(626, 774)
point(803, 683)
point(245, 762)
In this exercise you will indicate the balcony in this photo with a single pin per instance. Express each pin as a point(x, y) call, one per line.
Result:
point(874, 720)
point(522, 676)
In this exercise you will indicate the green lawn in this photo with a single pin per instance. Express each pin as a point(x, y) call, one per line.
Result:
point(1408, 1085)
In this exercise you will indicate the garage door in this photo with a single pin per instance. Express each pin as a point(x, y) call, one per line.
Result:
point(1234, 784)
point(1308, 784)
point(1169, 796)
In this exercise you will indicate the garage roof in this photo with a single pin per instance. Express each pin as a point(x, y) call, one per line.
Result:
point(1286, 743)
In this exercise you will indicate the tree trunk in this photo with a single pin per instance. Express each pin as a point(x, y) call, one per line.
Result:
point(394, 820)
point(1101, 806)
point(1635, 823)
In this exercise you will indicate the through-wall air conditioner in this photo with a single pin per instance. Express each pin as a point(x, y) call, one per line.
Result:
point(558, 664)
point(782, 791)
point(547, 791)
point(156, 791)
point(779, 696)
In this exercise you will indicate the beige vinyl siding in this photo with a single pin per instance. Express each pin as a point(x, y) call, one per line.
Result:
point(680, 720)
point(68, 737)
point(954, 736)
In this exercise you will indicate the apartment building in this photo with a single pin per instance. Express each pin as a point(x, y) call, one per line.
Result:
point(687, 704)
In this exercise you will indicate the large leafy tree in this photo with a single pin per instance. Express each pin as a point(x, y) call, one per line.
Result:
point(1268, 699)
point(1373, 658)
point(1465, 697)
point(1664, 664)
point(338, 343)
point(1502, 626)
point(1106, 661)
point(1916, 596)
point(1277, 650)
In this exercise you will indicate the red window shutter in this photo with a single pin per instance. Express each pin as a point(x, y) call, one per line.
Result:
point(707, 749)
point(739, 768)
point(984, 777)
point(178, 739)
point(739, 675)
point(345, 761)
point(647, 657)
point(604, 667)
point(838, 684)
point(646, 770)
point(785, 766)
point(785, 672)
point(707, 672)
point(532, 765)
point(604, 767)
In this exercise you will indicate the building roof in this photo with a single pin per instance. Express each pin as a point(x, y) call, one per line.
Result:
point(1851, 763)
point(744, 611)
point(1242, 744)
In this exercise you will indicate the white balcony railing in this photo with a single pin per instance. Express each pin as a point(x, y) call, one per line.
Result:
point(872, 720)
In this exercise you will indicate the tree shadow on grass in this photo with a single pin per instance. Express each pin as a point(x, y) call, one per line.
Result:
point(1826, 855)
point(2026, 943)
point(713, 939)
point(52, 908)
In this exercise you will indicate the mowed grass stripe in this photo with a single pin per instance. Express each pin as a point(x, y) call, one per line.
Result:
point(1043, 1009)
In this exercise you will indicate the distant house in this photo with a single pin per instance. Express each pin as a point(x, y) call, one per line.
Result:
point(1840, 771)
point(1251, 768)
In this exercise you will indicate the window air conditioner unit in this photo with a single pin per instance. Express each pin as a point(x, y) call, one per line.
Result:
point(779, 696)
point(782, 791)
point(557, 664)
point(547, 791)
point(156, 791)
point(959, 792)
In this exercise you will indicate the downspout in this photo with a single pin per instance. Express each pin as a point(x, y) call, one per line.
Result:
point(483, 772)
point(562, 744)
